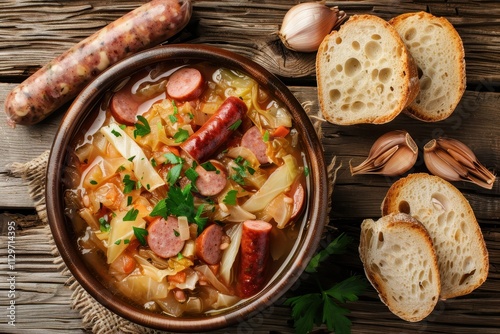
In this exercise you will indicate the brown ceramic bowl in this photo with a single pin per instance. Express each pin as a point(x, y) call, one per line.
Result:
point(311, 225)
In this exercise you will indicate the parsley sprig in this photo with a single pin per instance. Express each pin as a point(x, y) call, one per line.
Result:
point(323, 307)
point(142, 127)
point(180, 202)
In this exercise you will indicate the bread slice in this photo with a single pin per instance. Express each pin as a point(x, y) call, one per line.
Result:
point(364, 73)
point(401, 264)
point(452, 225)
point(439, 53)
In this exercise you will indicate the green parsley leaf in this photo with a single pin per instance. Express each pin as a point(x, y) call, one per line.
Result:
point(93, 182)
point(131, 215)
point(208, 166)
point(122, 126)
point(243, 167)
point(121, 168)
point(160, 209)
point(128, 183)
point(337, 246)
point(173, 174)
point(129, 200)
point(116, 133)
point(323, 307)
point(199, 220)
point(117, 242)
point(306, 171)
point(153, 162)
point(235, 125)
point(126, 241)
point(131, 158)
point(104, 225)
point(230, 197)
point(172, 158)
point(176, 110)
point(141, 234)
point(142, 127)
point(176, 233)
point(266, 136)
point(191, 174)
point(181, 135)
point(172, 119)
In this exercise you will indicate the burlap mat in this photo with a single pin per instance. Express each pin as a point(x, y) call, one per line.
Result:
point(96, 317)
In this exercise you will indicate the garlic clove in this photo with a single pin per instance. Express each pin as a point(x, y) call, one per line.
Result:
point(392, 154)
point(305, 25)
point(454, 161)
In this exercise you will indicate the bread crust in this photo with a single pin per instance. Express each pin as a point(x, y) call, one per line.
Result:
point(386, 279)
point(445, 228)
point(422, 108)
point(347, 113)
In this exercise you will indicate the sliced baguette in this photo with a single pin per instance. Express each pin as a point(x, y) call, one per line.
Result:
point(364, 73)
point(400, 262)
point(452, 225)
point(439, 54)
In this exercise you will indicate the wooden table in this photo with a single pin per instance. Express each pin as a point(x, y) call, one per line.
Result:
point(34, 32)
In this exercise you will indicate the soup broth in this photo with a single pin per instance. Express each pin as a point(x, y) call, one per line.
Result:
point(186, 187)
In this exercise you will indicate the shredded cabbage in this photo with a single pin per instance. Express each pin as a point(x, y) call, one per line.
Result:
point(230, 253)
point(120, 231)
point(278, 182)
point(209, 275)
point(142, 288)
point(129, 149)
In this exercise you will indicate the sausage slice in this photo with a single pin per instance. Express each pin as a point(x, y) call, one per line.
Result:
point(163, 237)
point(252, 139)
point(208, 244)
point(210, 183)
point(185, 84)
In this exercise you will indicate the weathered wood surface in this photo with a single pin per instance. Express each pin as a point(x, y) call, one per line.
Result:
point(33, 32)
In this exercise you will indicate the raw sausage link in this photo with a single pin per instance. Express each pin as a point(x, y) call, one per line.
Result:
point(216, 130)
point(64, 77)
point(185, 84)
point(163, 237)
point(254, 250)
point(208, 244)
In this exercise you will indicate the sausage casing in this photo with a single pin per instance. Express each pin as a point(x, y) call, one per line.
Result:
point(64, 77)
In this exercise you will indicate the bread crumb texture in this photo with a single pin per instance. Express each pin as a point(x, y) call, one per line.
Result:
point(401, 264)
point(363, 72)
point(438, 52)
point(452, 225)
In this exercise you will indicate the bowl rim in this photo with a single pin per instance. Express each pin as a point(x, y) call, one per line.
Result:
point(318, 199)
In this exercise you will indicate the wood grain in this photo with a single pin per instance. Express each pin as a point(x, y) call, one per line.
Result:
point(32, 32)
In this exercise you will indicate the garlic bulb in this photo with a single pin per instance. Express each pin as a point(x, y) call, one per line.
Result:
point(305, 25)
point(394, 153)
point(452, 160)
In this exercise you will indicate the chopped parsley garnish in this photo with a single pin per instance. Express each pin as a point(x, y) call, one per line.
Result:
point(142, 127)
point(116, 133)
point(153, 162)
point(208, 166)
point(122, 126)
point(117, 242)
point(243, 167)
point(173, 174)
point(180, 202)
point(131, 215)
point(230, 197)
point(235, 125)
point(104, 225)
point(120, 169)
point(126, 241)
point(265, 137)
point(191, 174)
point(176, 233)
point(172, 158)
point(131, 158)
point(141, 234)
point(94, 182)
point(174, 105)
point(306, 171)
point(323, 307)
point(172, 119)
point(181, 135)
point(129, 200)
point(128, 183)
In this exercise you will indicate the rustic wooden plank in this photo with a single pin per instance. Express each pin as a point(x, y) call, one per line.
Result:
point(51, 28)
